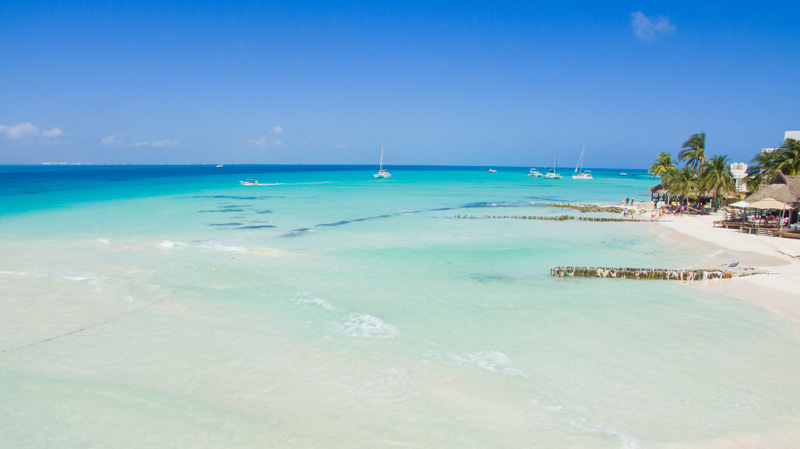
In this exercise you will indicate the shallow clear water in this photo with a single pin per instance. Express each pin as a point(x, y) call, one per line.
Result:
point(173, 307)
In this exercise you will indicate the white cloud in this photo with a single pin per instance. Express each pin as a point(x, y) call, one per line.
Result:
point(647, 28)
point(115, 141)
point(340, 146)
point(261, 142)
point(55, 132)
point(27, 130)
point(165, 143)
point(112, 141)
point(277, 143)
point(277, 130)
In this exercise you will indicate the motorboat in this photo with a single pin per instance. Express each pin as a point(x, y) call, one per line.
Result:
point(491, 170)
point(249, 182)
point(535, 172)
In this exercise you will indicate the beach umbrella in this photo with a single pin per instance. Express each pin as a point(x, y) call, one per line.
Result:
point(740, 204)
point(769, 203)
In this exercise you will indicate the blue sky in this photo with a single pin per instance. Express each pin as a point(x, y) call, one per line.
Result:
point(457, 83)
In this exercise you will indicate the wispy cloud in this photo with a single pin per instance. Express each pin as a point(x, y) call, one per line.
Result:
point(115, 141)
point(111, 141)
point(27, 130)
point(165, 143)
point(263, 141)
point(647, 28)
point(260, 142)
point(276, 130)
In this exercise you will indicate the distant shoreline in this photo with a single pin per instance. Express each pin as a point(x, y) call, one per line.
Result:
point(565, 170)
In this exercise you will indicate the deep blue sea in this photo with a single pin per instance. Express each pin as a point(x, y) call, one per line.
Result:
point(171, 306)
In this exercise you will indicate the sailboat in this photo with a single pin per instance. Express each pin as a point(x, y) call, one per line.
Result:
point(551, 173)
point(580, 173)
point(381, 172)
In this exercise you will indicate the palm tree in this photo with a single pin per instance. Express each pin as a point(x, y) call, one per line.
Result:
point(681, 182)
point(762, 170)
point(694, 152)
point(717, 178)
point(662, 164)
point(787, 158)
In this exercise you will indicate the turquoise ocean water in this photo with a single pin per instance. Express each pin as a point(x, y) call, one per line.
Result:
point(173, 307)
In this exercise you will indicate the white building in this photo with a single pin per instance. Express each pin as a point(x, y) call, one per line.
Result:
point(739, 171)
point(786, 135)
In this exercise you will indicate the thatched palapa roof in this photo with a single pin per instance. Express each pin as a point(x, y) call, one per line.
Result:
point(781, 187)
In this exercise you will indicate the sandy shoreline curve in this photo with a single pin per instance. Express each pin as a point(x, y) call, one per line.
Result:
point(776, 260)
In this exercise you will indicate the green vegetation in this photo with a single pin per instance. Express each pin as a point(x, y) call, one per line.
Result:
point(694, 152)
point(712, 178)
point(699, 176)
point(785, 159)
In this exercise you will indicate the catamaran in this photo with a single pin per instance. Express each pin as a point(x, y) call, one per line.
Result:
point(381, 172)
point(580, 173)
point(551, 173)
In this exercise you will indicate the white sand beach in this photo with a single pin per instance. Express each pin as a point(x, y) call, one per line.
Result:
point(776, 260)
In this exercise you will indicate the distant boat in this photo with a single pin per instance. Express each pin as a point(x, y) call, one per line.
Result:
point(219, 166)
point(551, 173)
point(249, 182)
point(491, 170)
point(381, 172)
point(622, 173)
point(580, 173)
point(535, 172)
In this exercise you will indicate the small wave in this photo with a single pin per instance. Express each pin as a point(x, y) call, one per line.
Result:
point(305, 298)
point(170, 244)
point(103, 241)
point(366, 326)
point(93, 280)
point(488, 360)
point(575, 419)
point(217, 247)
point(16, 273)
point(80, 277)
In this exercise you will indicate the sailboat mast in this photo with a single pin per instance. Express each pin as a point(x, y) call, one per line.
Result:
point(580, 161)
point(381, 166)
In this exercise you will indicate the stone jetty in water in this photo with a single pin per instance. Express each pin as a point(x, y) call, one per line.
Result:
point(644, 273)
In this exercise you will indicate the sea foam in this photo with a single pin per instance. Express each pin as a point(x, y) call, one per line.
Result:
point(487, 360)
point(303, 298)
point(575, 419)
point(362, 325)
point(171, 244)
